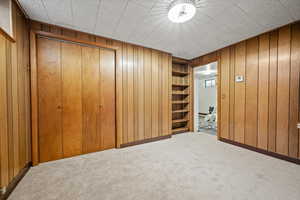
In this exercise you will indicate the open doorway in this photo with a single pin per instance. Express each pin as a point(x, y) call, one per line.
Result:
point(205, 98)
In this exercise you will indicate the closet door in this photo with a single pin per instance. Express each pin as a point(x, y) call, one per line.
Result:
point(72, 98)
point(50, 99)
point(91, 99)
point(107, 99)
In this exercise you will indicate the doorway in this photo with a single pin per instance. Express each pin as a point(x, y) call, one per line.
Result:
point(205, 98)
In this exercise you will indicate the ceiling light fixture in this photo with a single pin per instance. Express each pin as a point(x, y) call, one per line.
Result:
point(181, 11)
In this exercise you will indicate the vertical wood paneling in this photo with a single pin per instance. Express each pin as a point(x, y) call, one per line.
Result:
point(266, 104)
point(141, 94)
point(231, 93)
point(155, 94)
point(283, 89)
point(225, 87)
point(251, 92)
point(239, 93)
point(294, 144)
point(71, 99)
point(21, 90)
point(9, 110)
point(135, 92)
point(91, 98)
point(125, 93)
point(165, 96)
point(148, 92)
point(263, 97)
point(4, 170)
point(130, 88)
point(15, 97)
point(273, 91)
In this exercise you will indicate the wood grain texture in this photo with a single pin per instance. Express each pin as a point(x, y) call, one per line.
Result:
point(283, 88)
point(266, 104)
point(71, 99)
point(239, 93)
point(232, 93)
point(4, 170)
point(273, 91)
point(77, 96)
point(155, 94)
point(14, 97)
point(148, 93)
point(251, 92)
point(107, 99)
point(294, 144)
point(263, 95)
point(225, 87)
point(138, 112)
point(90, 99)
point(49, 100)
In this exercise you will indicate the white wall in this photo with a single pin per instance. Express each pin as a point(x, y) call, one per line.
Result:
point(206, 96)
point(203, 97)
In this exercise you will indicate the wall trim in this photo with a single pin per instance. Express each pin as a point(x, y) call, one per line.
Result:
point(262, 151)
point(13, 184)
point(145, 141)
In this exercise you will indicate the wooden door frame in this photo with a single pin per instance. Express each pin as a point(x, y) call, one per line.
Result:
point(34, 87)
point(218, 93)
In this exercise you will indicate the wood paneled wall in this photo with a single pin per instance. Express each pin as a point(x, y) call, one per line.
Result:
point(143, 95)
point(262, 111)
point(15, 147)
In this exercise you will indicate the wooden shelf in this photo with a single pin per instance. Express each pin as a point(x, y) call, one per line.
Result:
point(181, 129)
point(180, 93)
point(179, 120)
point(180, 102)
point(180, 85)
point(180, 111)
point(179, 73)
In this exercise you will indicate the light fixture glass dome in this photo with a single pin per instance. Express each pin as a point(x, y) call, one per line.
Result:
point(181, 11)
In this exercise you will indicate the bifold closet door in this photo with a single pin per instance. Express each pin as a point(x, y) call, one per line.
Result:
point(91, 99)
point(107, 99)
point(76, 86)
point(71, 63)
point(49, 99)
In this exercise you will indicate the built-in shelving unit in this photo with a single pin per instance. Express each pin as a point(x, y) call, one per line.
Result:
point(181, 96)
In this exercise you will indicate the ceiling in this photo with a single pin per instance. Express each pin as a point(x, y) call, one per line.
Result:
point(217, 23)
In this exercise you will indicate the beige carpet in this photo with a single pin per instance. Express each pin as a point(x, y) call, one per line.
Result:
point(188, 166)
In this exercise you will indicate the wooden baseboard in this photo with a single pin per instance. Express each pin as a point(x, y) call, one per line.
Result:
point(275, 155)
point(145, 141)
point(13, 184)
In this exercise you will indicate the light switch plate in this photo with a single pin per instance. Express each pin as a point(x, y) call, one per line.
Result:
point(239, 79)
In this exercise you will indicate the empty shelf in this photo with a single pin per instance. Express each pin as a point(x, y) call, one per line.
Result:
point(179, 120)
point(180, 102)
point(180, 85)
point(181, 129)
point(179, 73)
point(180, 111)
point(180, 93)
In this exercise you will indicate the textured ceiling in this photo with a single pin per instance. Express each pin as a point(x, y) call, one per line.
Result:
point(217, 23)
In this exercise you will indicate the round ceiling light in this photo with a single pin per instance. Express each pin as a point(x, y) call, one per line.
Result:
point(181, 11)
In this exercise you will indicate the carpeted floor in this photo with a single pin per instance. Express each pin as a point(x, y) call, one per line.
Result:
point(190, 166)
